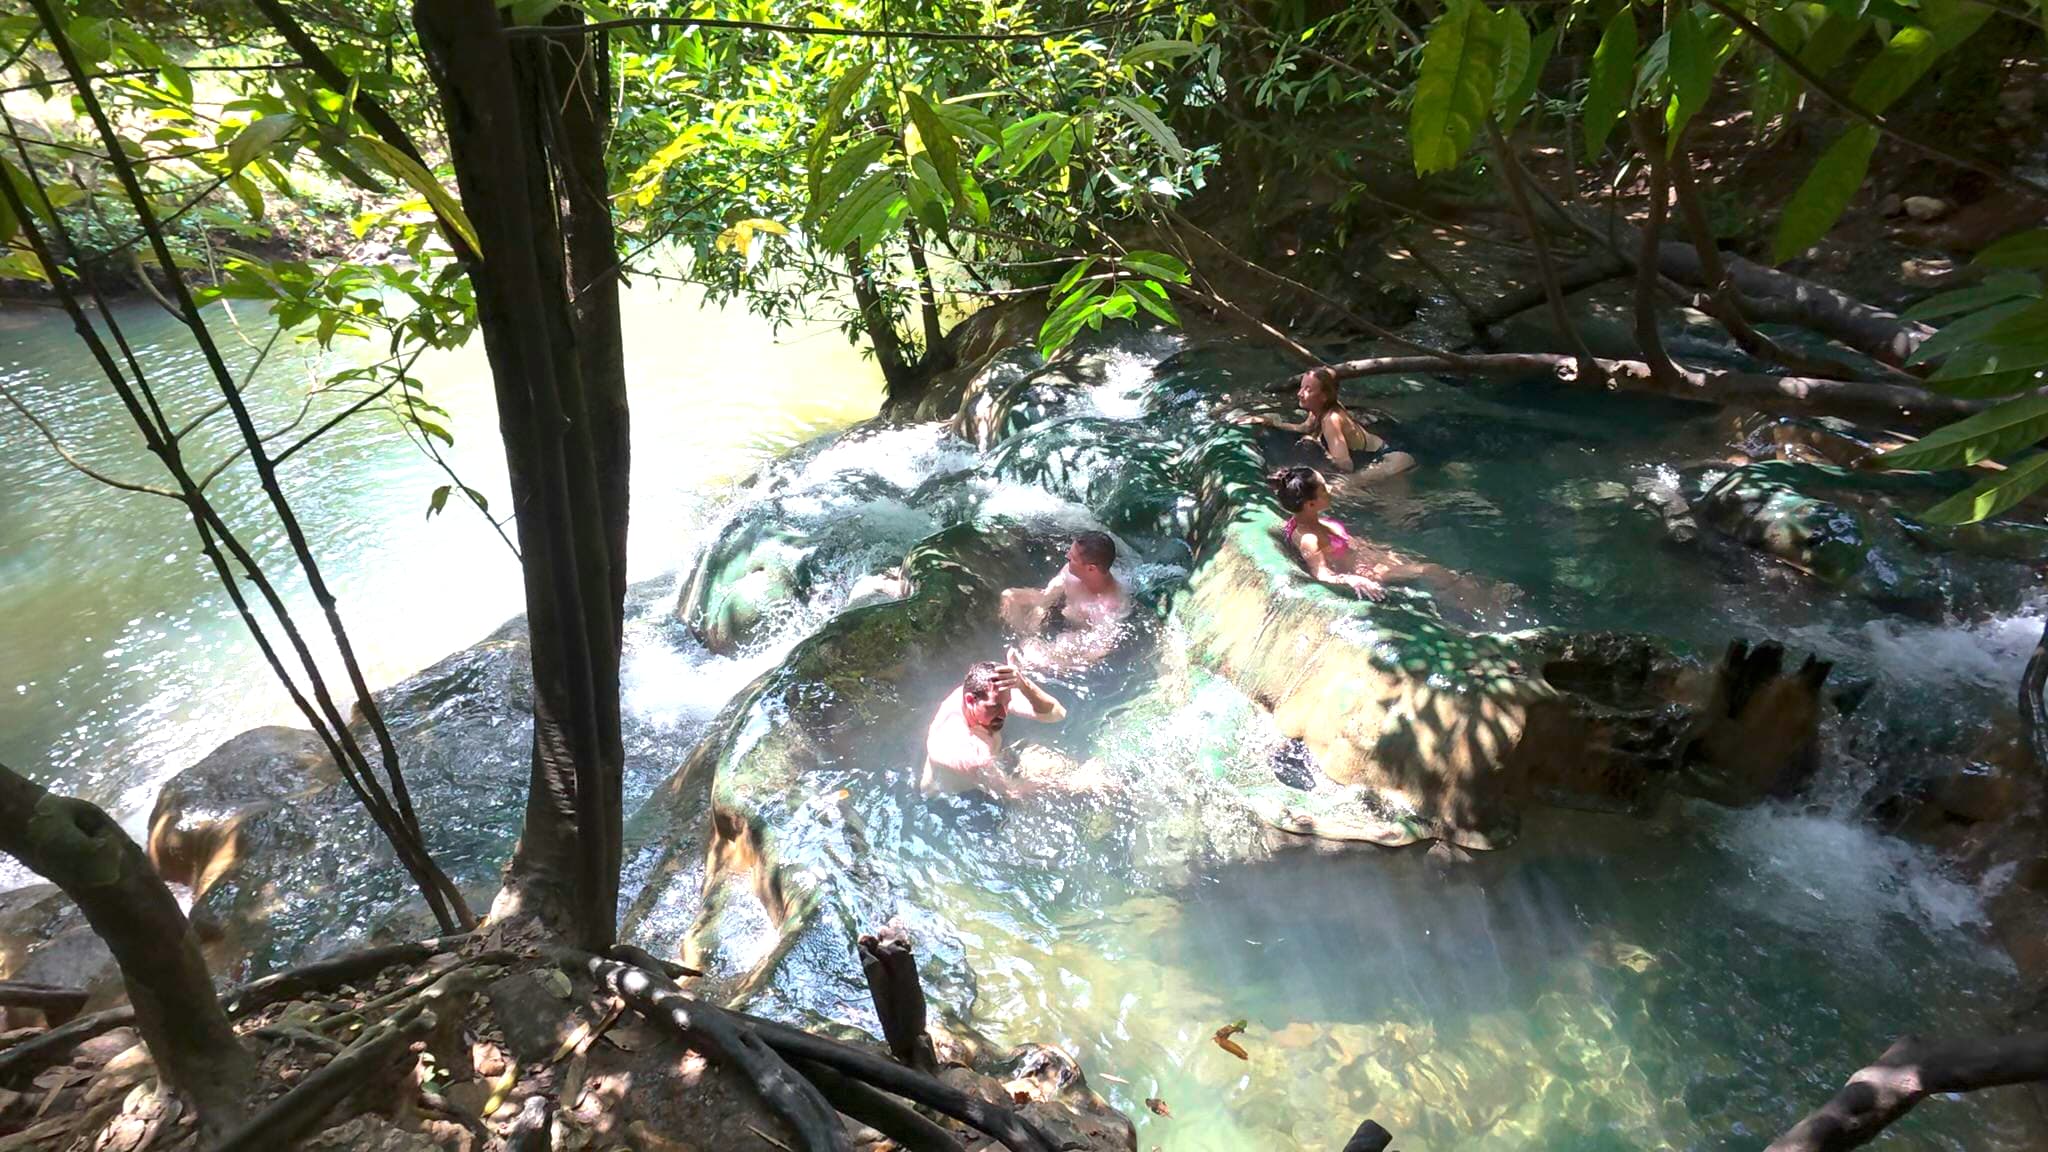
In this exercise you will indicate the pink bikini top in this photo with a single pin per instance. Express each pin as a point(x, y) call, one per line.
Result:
point(1339, 539)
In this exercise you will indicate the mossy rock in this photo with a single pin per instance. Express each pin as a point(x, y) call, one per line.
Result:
point(757, 882)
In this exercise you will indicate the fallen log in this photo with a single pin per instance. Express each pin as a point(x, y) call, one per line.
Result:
point(1776, 297)
point(56, 1004)
point(1793, 395)
point(1909, 1071)
point(1768, 296)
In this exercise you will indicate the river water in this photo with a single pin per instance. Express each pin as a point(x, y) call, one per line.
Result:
point(1607, 983)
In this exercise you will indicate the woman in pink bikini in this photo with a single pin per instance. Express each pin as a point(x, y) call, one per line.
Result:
point(1332, 555)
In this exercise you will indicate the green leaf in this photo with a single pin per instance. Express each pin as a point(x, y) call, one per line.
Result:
point(1965, 331)
point(1698, 49)
point(842, 93)
point(1997, 288)
point(252, 196)
point(1515, 50)
point(2000, 431)
point(1026, 139)
point(1518, 101)
point(1831, 41)
point(9, 223)
point(1161, 49)
point(1151, 296)
point(1152, 125)
point(1073, 276)
point(1824, 195)
point(938, 144)
point(2027, 249)
point(256, 139)
point(1454, 90)
point(177, 81)
point(927, 195)
point(445, 205)
point(1993, 494)
point(26, 189)
point(977, 200)
point(864, 213)
point(851, 165)
point(1157, 265)
point(969, 122)
point(1066, 320)
point(1911, 52)
point(2018, 341)
point(1613, 82)
point(1988, 385)
point(437, 501)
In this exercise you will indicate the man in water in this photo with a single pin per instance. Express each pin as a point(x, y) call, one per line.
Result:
point(1090, 601)
point(964, 747)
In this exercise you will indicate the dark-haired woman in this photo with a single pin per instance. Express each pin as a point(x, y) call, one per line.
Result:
point(1331, 427)
point(1335, 557)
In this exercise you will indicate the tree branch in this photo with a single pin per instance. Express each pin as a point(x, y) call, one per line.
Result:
point(1909, 1071)
point(1511, 174)
point(657, 23)
point(1792, 394)
point(77, 464)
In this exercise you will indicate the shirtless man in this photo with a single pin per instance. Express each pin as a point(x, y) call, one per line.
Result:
point(1091, 604)
point(964, 748)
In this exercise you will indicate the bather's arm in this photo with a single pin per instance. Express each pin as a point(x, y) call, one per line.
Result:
point(1316, 559)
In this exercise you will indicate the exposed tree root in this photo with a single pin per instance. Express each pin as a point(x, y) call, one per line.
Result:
point(1795, 395)
point(786, 1092)
point(301, 1109)
point(1909, 1071)
point(743, 1039)
point(36, 1053)
point(880, 1111)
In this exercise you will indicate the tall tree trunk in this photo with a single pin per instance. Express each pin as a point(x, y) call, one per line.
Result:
point(898, 379)
point(531, 172)
point(80, 849)
point(927, 305)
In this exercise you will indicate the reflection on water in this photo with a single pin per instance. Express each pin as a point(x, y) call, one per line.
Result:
point(121, 660)
point(1604, 984)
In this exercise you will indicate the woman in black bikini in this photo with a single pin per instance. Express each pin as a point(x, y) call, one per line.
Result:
point(1332, 428)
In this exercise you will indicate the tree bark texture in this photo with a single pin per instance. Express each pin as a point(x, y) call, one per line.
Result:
point(1909, 1071)
point(898, 379)
point(2033, 711)
point(1794, 395)
point(79, 848)
point(525, 134)
point(890, 966)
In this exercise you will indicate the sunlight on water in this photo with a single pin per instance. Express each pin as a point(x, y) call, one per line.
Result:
point(1605, 983)
point(123, 662)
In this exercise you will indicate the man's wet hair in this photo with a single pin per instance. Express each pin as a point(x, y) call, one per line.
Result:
point(1294, 486)
point(981, 679)
point(1096, 548)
